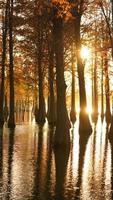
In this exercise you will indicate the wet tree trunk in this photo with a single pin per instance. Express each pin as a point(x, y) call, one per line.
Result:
point(51, 103)
point(73, 111)
point(40, 119)
point(107, 92)
point(62, 137)
point(11, 120)
point(5, 28)
point(84, 118)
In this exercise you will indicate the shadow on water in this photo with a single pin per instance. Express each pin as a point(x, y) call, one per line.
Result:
point(83, 139)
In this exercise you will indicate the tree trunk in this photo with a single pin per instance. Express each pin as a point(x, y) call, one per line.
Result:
point(62, 136)
point(111, 126)
point(5, 28)
point(107, 93)
point(73, 111)
point(51, 106)
point(40, 119)
point(83, 117)
point(95, 93)
point(102, 93)
point(5, 108)
point(11, 121)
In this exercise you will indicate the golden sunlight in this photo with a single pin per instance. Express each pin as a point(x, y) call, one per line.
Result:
point(85, 52)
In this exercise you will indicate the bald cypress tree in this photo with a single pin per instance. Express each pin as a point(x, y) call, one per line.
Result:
point(11, 120)
point(85, 125)
point(62, 137)
point(4, 47)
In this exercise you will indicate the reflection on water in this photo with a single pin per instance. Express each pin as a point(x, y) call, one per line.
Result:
point(31, 170)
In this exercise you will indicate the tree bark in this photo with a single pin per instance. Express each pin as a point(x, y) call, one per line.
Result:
point(51, 106)
point(40, 119)
point(73, 111)
point(95, 93)
point(11, 120)
point(5, 29)
point(107, 92)
point(62, 136)
point(83, 117)
point(102, 92)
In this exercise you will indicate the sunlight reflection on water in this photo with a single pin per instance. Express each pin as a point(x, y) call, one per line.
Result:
point(30, 169)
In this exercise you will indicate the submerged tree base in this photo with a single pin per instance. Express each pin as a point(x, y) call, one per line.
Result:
point(73, 116)
point(11, 123)
point(102, 117)
point(108, 117)
point(40, 122)
point(110, 133)
point(94, 117)
point(61, 138)
point(1, 123)
point(84, 124)
point(40, 118)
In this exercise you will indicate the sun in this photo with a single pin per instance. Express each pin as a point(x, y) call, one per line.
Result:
point(85, 52)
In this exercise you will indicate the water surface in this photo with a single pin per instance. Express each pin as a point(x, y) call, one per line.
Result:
point(31, 170)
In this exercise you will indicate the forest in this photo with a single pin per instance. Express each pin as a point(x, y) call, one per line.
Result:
point(56, 68)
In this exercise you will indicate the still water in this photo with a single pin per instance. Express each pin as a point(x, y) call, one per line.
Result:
point(31, 170)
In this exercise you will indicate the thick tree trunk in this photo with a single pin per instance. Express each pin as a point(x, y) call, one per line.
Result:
point(73, 110)
point(11, 121)
point(62, 136)
point(95, 93)
point(5, 109)
point(51, 103)
point(40, 119)
point(107, 93)
point(5, 28)
point(40, 112)
point(83, 117)
point(102, 92)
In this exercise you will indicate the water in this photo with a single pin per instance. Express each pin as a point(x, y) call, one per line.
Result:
point(31, 170)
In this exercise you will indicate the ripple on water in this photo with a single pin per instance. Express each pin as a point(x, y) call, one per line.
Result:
point(30, 170)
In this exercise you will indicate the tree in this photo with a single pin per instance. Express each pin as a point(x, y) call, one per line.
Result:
point(62, 136)
point(11, 120)
point(73, 111)
point(51, 74)
point(4, 43)
point(84, 119)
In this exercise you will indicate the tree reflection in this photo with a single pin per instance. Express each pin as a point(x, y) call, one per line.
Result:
point(1, 159)
point(61, 161)
point(49, 163)
point(10, 161)
point(83, 139)
point(38, 165)
point(111, 142)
